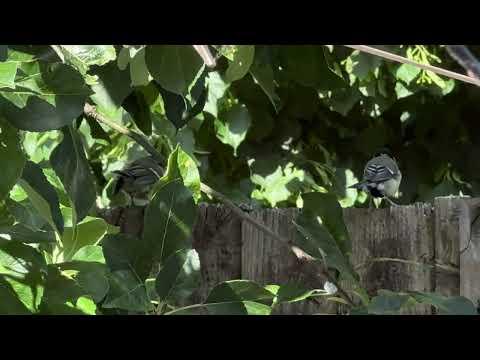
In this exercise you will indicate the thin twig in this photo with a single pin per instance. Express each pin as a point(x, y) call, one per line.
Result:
point(410, 262)
point(465, 58)
point(302, 256)
point(404, 60)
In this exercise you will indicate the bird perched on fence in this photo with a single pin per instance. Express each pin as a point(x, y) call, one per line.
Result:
point(137, 179)
point(381, 177)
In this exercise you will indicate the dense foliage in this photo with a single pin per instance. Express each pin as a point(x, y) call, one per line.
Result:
point(270, 126)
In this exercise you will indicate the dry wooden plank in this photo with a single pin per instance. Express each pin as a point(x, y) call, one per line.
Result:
point(449, 212)
point(267, 261)
point(470, 257)
point(398, 232)
point(217, 240)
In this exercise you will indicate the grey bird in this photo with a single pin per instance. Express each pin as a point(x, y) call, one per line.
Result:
point(137, 179)
point(381, 177)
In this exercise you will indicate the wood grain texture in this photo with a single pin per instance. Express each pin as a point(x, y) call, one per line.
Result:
point(266, 261)
point(218, 241)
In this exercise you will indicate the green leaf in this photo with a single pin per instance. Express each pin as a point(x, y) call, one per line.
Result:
point(169, 219)
point(138, 69)
point(216, 90)
point(407, 73)
point(11, 304)
point(137, 106)
point(87, 232)
point(8, 70)
point(46, 97)
point(387, 302)
point(232, 126)
point(263, 76)
point(10, 153)
point(90, 253)
point(364, 64)
point(112, 89)
point(82, 57)
point(176, 107)
point(22, 270)
point(314, 239)
point(181, 166)
point(167, 278)
point(42, 195)
point(239, 66)
point(328, 208)
point(22, 233)
point(71, 166)
point(294, 292)
point(127, 292)
point(174, 67)
point(452, 305)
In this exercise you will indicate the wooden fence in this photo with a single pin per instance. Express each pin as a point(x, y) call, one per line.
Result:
point(397, 239)
point(389, 247)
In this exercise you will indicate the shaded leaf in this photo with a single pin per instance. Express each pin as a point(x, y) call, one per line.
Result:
point(263, 75)
point(174, 67)
point(11, 154)
point(169, 274)
point(22, 233)
point(232, 125)
point(127, 292)
point(3, 52)
point(8, 70)
point(42, 195)
point(82, 57)
point(169, 220)
point(239, 65)
point(46, 97)
point(71, 166)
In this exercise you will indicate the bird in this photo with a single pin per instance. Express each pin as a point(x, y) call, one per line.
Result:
point(138, 178)
point(381, 177)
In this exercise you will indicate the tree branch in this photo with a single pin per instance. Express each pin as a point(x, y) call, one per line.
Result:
point(465, 58)
point(302, 256)
point(404, 60)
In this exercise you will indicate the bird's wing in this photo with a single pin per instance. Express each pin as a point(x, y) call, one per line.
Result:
point(380, 169)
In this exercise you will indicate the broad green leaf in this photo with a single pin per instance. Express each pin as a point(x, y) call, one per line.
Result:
point(174, 67)
point(127, 292)
point(42, 195)
point(61, 294)
point(11, 304)
point(387, 302)
point(112, 89)
point(328, 208)
point(71, 166)
point(170, 273)
point(447, 305)
point(169, 219)
point(294, 292)
point(24, 269)
point(6, 218)
point(22, 233)
point(10, 153)
point(216, 90)
point(88, 272)
point(242, 59)
point(90, 253)
point(314, 239)
point(46, 97)
point(87, 233)
point(86, 305)
point(307, 66)
point(137, 106)
point(176, 107)
point(364, 64)
point(263, 76)
point(232, 126)
point(407, 73)
point(82, 57)
point(8, 70)
point(276, 183)
point(181, 166)
point(138, 69)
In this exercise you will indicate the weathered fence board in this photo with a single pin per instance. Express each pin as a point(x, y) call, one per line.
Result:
point(425, 238)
